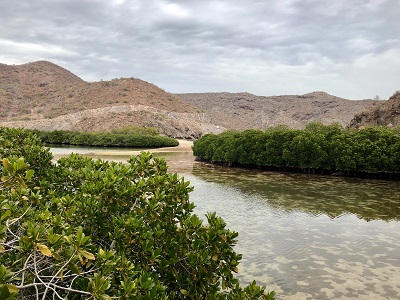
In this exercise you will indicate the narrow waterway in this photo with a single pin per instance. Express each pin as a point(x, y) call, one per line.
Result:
point(304, 236)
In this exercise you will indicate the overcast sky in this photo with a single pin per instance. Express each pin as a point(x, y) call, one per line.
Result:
point(348, 48)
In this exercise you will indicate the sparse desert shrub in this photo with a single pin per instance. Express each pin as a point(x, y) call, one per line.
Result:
point(396, 93)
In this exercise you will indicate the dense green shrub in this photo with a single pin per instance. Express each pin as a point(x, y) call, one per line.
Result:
point(327, 149)
point(22, 143)
point(91, 229)
point(127, 137)
point(137, 130)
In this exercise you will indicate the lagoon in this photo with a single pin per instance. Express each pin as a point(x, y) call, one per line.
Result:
point(304, 236)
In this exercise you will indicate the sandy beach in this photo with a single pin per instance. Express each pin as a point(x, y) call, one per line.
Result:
point(184, 146)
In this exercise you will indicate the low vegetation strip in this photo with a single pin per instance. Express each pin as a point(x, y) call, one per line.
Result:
point(128, 137)
point(93, 229)
point(371, 152)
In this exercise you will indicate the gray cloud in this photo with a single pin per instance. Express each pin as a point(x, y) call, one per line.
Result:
point(347, 48)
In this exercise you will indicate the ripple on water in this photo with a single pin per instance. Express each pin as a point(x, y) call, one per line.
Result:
point(309, 247)
point(306, 237)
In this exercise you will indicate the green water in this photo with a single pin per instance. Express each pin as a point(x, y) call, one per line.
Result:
point(304, 236)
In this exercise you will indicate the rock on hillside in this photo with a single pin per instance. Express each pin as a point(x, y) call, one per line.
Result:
point(386, 113)
point(243, 110)
point(173, 124)
point(45, 96)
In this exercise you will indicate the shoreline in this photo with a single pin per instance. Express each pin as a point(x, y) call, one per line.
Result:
point(184, 146)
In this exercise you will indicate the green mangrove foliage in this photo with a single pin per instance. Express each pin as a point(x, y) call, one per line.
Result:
point(317, 148)
point(91, 229)
point(136, 130)
point(126, 137)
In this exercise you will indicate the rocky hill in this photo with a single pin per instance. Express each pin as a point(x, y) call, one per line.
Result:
point(45, 96)
point(243, 110)
point(386, 113)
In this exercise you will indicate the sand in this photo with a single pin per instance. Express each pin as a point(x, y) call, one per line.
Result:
point(184, 146)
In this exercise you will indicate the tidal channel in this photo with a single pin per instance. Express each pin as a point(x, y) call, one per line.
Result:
point(304, 236)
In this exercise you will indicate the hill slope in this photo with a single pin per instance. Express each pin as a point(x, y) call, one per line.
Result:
point(243, 110)
point(45, 96)
point(387, 113)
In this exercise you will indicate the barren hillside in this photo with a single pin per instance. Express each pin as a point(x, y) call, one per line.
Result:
point(386, 113)
point(243, 110)
point(45, 90)
point(45, 96)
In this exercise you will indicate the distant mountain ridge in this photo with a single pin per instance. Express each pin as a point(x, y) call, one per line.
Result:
point(46, 96)
point(243, 110)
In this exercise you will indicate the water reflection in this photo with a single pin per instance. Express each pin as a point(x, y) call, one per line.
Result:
point(306, 237)
point(299, 247)
point(312, 194)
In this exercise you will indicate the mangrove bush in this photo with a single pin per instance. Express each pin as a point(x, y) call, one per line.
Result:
point(319, 148)
point(126, 137)
point(91, 229)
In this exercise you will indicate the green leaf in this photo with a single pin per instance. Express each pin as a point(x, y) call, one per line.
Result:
point(87, 254)
point(12, 288)
point(7, 165)
point(4, 292)
point(5, 178)
point(223, 283)
point(7, 291)
point(184, 292)
point(2, 249)
point(56, 256)
point(74, 269)
point(44, 249)
point(20, 163)
point(29, 174)
point(61, 275)
point(21, 183)
point(25, 239)
point(5, 215)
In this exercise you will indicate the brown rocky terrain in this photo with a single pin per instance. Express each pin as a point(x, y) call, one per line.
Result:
point(243, 110)
point(45, 96)
point(386, 113)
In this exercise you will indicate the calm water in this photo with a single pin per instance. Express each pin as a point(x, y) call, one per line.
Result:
point(306, 237)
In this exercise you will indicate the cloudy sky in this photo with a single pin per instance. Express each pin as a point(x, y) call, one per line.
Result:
point(348, 48)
